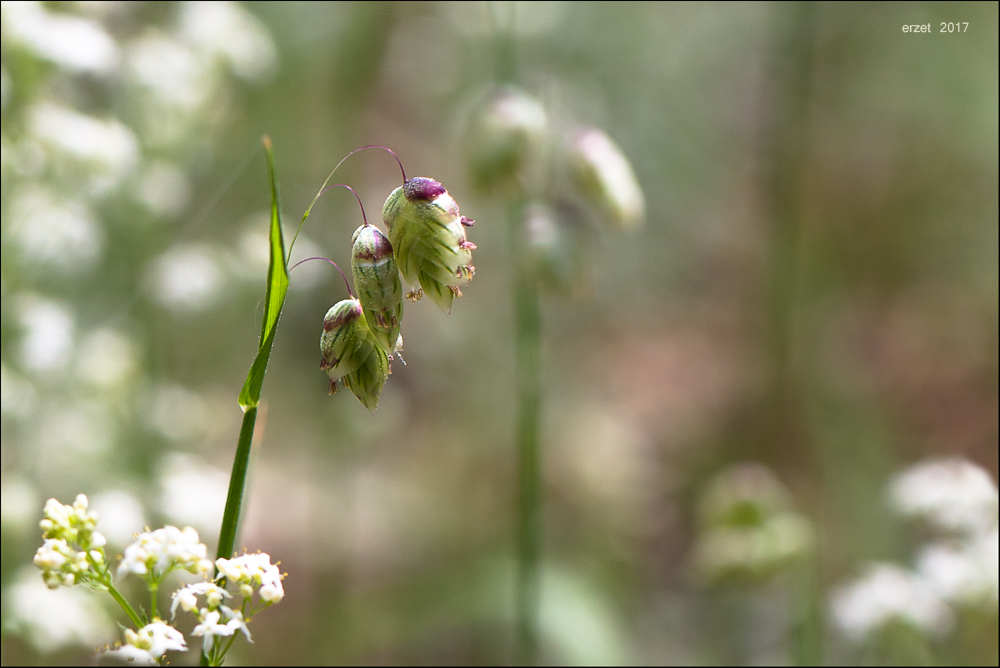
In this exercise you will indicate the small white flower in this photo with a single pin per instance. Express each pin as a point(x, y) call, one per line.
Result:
point(62, 565)
point(73, 524)
point(164, 550)
point(236, 622)
point(187, 597)
point(132, 654)
point(160, 638)
point(210, 628)
point(151, 642)
point(254, 570)
point(272, 593)
point(888, 593)
point(953, 493)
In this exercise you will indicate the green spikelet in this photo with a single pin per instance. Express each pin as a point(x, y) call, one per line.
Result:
point(427, 233)
point(504, 140)
point(351, 352)
point(604, 179)
point(367, 381)
point(376, 278)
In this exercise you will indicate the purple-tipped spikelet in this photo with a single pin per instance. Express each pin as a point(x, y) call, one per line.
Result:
point(376, 278)
point(427, 233)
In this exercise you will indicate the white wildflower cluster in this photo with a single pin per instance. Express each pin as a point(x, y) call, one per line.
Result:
point(952, 494)
point(254, 570)
point(888, 593)
point(72, 551)
point(148, 645)
point(250, 572)
point(956, 571)
point(156, 553)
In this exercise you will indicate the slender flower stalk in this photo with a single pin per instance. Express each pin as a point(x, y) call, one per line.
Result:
point(528, 335)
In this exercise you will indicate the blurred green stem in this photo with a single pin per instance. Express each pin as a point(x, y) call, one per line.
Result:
point(528, 324)
point(125, 605)
point(788, 141)
point(529, 332)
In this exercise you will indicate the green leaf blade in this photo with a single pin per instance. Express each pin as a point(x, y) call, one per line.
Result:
point(274, 299)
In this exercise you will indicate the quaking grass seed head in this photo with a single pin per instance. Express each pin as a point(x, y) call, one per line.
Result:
point(351, 353)
point(604, 180)
point(427, 233)
point(376, 279)
point(504, 139)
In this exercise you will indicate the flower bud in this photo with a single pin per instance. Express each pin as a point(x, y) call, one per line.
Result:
point(376, 278)
point(504, 139)
point(604, 178)
point(427, 233)
point(351, 352)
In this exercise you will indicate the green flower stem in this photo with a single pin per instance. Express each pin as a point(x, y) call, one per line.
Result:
point(806, 637)
point(237, 483)
point(154, 591)
point(528, 343)
point(124, 604)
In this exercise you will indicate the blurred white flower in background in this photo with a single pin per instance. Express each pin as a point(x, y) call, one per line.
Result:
point(76, 43)
point(954, 494)
point(962, 568)
point(187, 277)
point(18, 397)
point(164, 189)
point(171, 70)
point(19, 501)
point(53, 619)
point(107, 358)
point(69, 431)
point(55, 231)
point(888, 593)
point(121, 516)
point(108, 147)
point(176, 412)
point(194, 493)
point(254, 249)
point(49, 331)
point(965, 574)
point(228, 30)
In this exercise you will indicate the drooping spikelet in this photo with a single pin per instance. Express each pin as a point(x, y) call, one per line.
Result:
point(376, 278)
point(351, 352)
point(427, 233)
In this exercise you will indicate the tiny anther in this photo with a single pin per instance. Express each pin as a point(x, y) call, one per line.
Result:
point(467, 245)
point(415, 295)
point(334, 388)
point(455, 290)
point(468, 222)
